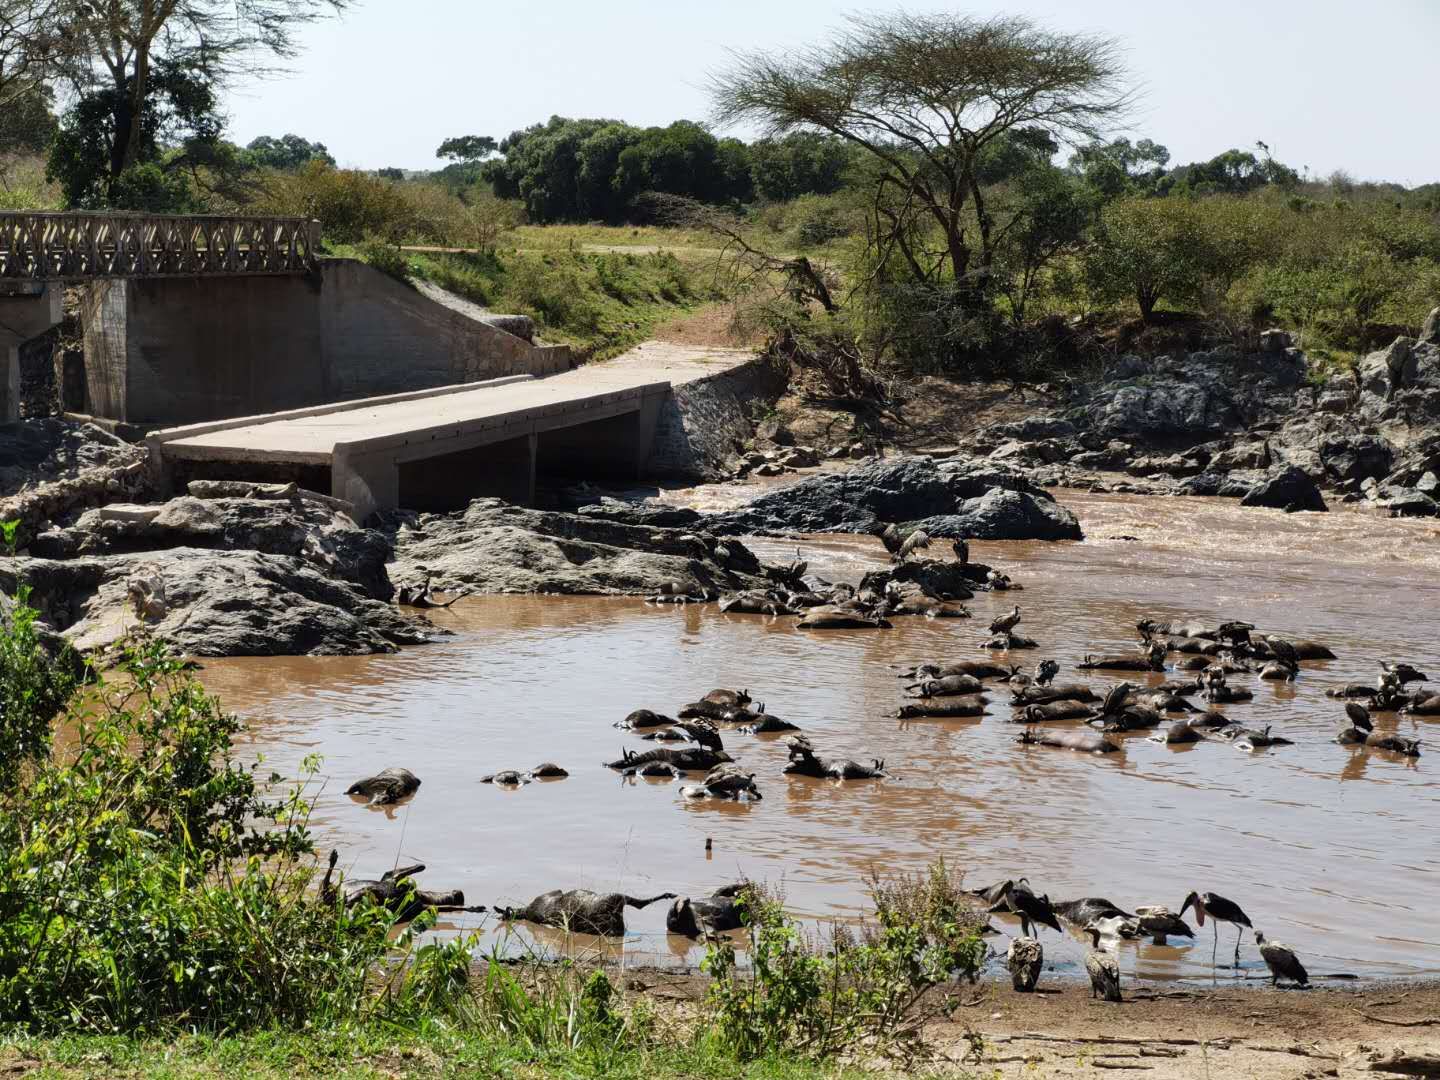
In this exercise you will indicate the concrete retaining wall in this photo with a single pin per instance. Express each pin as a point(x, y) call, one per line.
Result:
point(184, 350)
point(27, 310)
point(705, 423)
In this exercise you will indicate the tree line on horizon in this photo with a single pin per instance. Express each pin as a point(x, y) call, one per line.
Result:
point(959, 177)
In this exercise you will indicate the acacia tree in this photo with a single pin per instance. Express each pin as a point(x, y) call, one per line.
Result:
point(126, 52)
point(926, 97)
point(32, 43)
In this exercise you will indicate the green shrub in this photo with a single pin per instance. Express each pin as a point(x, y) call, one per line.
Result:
point(385, 257)
point(812, 999)
point(33, 686)
point(145, 878)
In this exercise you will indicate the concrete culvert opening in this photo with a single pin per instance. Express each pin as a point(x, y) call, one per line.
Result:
point(447, 482)
point(606, 449)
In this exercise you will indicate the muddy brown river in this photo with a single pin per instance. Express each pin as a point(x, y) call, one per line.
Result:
point(1331, 849)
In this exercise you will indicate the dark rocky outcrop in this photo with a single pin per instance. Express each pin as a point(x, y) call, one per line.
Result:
point(45, 450)
point(1006, 515)
point(1286, 488)
point(1220, 423)
point(493, 547)
point(960, 496)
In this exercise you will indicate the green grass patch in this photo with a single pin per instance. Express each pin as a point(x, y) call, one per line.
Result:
point(600, 304)
point(375, 1051)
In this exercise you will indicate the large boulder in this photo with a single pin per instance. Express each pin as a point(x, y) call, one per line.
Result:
point(911, 489)
point(1005, 515)
point(211, 603)
point(1350, 459)
point(1400, 384)
point(302, 526)
point(1285, 488)
point(1164, 410)
point(494, 547)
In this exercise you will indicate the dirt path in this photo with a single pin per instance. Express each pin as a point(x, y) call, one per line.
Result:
point(1174, 1031)
point(1171, 1031)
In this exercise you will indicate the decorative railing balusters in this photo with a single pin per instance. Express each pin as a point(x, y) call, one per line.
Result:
point(79, 246)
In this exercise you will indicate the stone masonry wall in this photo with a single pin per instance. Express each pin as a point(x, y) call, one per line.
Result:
point(704, 424)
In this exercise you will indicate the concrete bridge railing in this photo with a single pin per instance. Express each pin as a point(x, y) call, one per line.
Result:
point(82, 247)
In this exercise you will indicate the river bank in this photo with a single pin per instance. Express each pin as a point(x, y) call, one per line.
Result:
point(1161, 1032)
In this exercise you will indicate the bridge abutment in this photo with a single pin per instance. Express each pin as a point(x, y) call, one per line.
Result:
point(27, 310)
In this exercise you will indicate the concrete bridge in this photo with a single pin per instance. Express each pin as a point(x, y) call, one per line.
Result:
point(40, 251)
point(205, 318)
point(437, 449)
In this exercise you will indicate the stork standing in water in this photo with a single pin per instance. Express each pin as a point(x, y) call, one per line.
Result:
point(1220, 910)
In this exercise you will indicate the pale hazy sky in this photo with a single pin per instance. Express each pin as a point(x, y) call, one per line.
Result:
point(1328, 84)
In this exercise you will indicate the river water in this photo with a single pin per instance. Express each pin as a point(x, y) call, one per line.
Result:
point(1331, 849)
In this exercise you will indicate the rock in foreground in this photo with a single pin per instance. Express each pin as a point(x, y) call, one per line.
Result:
point(211, 603)
point(494, 547)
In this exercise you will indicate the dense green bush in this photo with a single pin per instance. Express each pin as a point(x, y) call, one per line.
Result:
point(34, 687)
point(146, 879)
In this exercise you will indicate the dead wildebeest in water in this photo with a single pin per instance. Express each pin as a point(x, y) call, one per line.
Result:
point(805, 762)
point(941, 708)
point(686, 758)
point(385, 787)
point(580, 911)
point(1084, 741)
point(700, 916)
point(395, 890)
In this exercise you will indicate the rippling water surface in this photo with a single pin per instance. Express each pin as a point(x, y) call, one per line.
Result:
point(1331, 849)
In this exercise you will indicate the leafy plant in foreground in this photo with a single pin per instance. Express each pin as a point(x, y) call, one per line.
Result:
point(864, 986)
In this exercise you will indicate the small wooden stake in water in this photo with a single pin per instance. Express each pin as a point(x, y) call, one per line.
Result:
point(708, 843)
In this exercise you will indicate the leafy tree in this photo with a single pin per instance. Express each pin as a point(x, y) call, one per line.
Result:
point(925, 97)
point(26, 123)
point(391, 173)
point(1235, 172)
point(681, 159)
point(800, 163)
point(131, 62)
point(597, 163)
point(1120, 167)
point(1148, 250)
point(180, 125)
point(286, 153)
point(467, 148)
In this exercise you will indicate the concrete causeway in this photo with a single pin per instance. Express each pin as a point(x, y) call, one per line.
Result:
point(437, 449)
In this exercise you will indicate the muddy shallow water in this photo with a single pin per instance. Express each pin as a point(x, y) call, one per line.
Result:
point(1331, 849)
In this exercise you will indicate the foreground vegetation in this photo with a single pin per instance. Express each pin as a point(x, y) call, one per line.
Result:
point(162, 910)
point(383, 1051)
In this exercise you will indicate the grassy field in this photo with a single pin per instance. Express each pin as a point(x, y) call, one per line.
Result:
point(600, 303)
